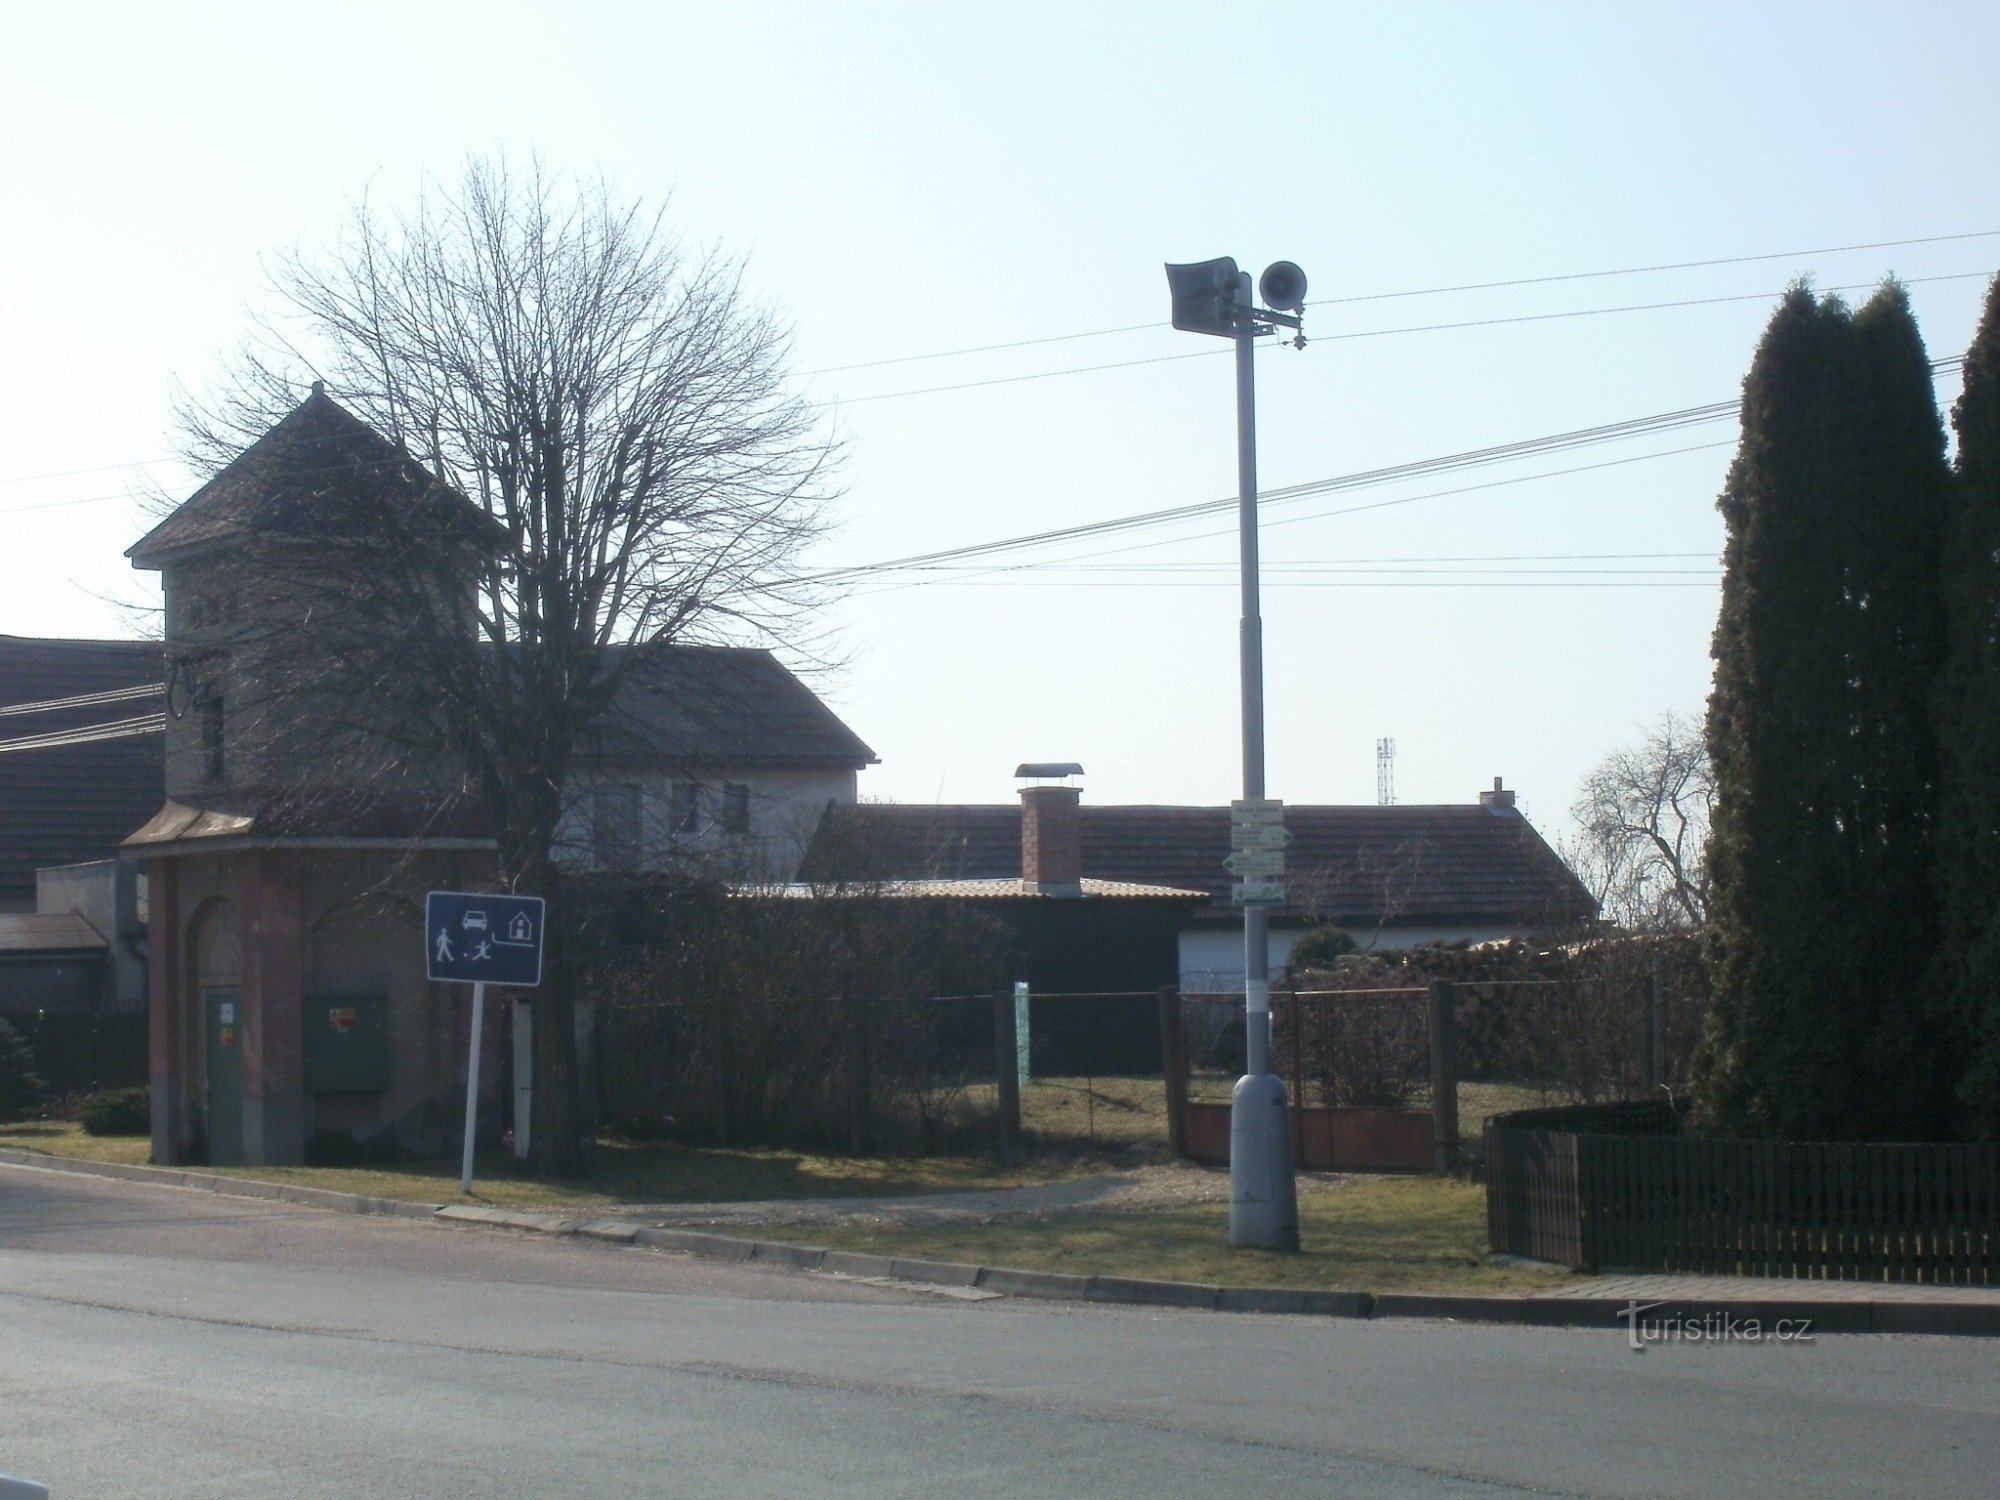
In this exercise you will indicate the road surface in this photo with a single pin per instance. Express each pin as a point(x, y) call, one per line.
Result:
point(163, 1342)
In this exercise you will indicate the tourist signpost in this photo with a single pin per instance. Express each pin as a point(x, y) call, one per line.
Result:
point(480, 939)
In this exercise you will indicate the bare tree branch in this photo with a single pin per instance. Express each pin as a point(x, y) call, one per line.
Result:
point(617, 410)
point(1642, 823)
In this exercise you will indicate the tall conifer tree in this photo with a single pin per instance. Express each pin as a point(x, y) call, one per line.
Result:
point(1827, 646)
point(1968, 713)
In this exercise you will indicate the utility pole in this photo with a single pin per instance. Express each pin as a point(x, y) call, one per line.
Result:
point(1214, 297)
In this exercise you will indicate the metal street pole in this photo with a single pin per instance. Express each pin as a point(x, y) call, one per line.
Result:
point(1263, 1194)
point(472, 1085)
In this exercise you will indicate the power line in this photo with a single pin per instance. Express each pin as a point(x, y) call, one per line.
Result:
point(83, 700)
point(1587, 312)
point(1557, 442)
point(1295, 521)
point(1230, 583)
point(1433, 291)
point(137, 463)
point(1469, 557)
point(1377, 333)
point(1370, 478)
point(121, 729)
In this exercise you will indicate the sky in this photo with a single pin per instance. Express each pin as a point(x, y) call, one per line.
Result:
point(907, 181)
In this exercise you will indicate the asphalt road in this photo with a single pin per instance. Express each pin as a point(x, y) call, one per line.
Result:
point(161, 1342)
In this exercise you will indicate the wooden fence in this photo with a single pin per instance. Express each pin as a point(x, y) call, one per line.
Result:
point(1617, 1187)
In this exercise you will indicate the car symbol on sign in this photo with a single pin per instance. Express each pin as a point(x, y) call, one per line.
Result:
point(474, 921)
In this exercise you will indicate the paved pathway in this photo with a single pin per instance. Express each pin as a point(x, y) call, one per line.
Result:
point(1640, 1287)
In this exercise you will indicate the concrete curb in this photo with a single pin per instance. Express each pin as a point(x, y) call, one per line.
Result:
point(220, 1184)
point(1969, 1319)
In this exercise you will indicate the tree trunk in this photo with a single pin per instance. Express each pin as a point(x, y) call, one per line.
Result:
point(555, 1146)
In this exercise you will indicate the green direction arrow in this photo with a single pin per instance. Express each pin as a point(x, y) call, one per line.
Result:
point(1256, 862)
point(1265, 836)
point(1259, 893)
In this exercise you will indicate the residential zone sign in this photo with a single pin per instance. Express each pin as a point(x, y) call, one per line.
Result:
point(484, 939)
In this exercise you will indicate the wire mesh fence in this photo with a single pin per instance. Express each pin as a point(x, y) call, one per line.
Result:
point(866, 1073)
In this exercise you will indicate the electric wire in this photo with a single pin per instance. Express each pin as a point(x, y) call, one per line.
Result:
point(1038, 565)
point(1433, 291)
point(1210, 353)
point(1373, 333)
point(1557, 442)
point(118, 729)
point(83, 700)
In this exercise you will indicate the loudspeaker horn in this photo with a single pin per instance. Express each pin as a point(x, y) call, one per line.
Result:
point(1283, 286)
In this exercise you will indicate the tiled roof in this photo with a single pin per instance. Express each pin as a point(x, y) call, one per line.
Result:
point(1014, 889)
point(1407, 865)
point(63, 804)
point(48, 932)
point(321, 473)
point(727, 705)
point(307, 814)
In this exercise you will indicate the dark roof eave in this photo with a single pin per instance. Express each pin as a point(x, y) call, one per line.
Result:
point(239, 843)
point(588, 761)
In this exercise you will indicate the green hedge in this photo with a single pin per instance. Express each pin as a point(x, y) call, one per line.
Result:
point(118, 1112)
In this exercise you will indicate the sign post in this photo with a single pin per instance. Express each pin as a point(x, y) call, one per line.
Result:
point(478, 939)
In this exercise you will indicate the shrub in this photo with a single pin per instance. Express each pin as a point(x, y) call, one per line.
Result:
point(20, 1089)
point(340, 1148)
point(1320, 947)
point(118, 1112)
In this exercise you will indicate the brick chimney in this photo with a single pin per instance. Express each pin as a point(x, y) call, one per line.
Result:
point(1499, 801)
point(1052, 840)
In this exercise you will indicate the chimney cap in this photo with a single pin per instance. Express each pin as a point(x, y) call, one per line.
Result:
point(1047, 769)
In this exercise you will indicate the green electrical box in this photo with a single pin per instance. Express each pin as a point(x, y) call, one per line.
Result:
point(347, 1044)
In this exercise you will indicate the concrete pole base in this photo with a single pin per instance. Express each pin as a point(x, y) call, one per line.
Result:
point(1263, 1196)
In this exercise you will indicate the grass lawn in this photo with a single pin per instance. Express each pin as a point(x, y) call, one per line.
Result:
point(1074, 1126)
point(1378, 1234)
point(1386, 1234)
point(622, 1174)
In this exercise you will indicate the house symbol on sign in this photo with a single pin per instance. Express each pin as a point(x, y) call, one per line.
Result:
point(520, 929)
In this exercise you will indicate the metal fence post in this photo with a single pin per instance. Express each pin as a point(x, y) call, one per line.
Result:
point(1655, 1063)
point(1444, 1078)
point(1006, 1067)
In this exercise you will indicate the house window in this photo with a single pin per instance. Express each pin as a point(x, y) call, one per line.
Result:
point(735, 807)
point(213, 765)
point(683, 807)
point(614, 827)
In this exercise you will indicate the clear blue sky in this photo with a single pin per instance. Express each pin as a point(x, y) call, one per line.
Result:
point(909, 179)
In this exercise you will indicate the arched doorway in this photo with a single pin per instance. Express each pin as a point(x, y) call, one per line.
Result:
point(216, 988)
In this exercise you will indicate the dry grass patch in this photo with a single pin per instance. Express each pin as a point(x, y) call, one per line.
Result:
point(623, 1174)
point(67, 1138)
point(1388, 1234)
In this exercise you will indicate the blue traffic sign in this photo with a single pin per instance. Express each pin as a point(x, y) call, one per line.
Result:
point(481, 939)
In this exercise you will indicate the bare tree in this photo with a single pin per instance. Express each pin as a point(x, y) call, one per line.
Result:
point(1642, 829)
point(617, 412)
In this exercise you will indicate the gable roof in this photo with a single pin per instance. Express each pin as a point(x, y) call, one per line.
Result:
point(720, 705)
point(43, 932)
point(320, 474)
point(76, 780)
point(1408, 865)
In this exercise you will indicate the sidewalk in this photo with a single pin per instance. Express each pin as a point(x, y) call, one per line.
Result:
point(1650, 1287)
